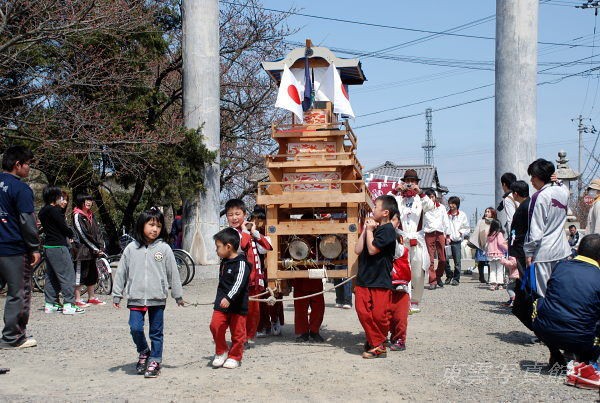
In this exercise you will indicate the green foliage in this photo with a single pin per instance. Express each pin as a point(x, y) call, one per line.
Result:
point(178, 169)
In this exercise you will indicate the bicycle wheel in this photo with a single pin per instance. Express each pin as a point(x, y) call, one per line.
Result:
point(105, 284)
point(39, 275)
point(183, 268)
point(183, 254)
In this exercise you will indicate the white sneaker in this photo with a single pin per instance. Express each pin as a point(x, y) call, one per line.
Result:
point(51, 308)
point(261, 335)
point(30, 342)
point(338, 305)
point(414, 308)
point(276, 329)
point(231, 363)
point(72, 309)
point(219, 360)
point(347, 306)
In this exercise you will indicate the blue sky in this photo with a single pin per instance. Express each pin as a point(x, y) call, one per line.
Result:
point(464, 135)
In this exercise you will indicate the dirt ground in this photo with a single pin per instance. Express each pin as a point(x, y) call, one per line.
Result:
point(462, 347)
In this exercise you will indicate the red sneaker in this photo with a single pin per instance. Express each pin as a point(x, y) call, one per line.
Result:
point(586, 378)
point(95, 301)
point(81, 304)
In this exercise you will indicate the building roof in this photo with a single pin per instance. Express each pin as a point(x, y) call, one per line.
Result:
point(427, 174)
point(350, 70)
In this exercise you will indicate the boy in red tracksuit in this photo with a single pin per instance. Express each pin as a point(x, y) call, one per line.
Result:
point(375, 247)
point(231, 302)
point(307, 326)
point(400, 298)
point(235, 211)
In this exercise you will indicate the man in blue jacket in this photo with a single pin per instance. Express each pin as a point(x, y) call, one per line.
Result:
point(567, 318)
point(19, 245)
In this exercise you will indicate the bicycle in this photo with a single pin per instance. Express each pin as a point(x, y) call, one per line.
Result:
point(184, 255)
point(38, 273)
point(185, 263)
point(104, 285)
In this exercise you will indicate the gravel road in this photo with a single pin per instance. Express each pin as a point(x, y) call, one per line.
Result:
point(462, 347)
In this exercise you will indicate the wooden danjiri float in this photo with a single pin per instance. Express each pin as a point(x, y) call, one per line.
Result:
point(316, 197)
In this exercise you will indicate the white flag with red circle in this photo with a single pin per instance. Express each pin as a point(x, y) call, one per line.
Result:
point(288, 96)
point(333, 88)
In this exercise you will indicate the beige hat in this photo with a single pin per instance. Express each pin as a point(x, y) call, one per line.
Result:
point(595, 184)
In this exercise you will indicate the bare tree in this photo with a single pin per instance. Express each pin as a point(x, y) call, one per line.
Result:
point(95, 89)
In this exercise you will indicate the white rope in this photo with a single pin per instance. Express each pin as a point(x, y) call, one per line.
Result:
point(271, 300)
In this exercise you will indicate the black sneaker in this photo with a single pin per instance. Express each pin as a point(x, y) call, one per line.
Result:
point(448, 280)
point(302, 338)
point(316, 337)
point(440, 283)
point(140, 367)
point(454, 282)
point(153, 370)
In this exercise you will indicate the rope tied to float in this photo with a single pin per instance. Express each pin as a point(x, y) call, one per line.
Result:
point(271, 300)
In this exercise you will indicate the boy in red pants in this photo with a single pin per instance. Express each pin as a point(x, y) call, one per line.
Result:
point(375, 247)
point(250, 237)
point(231, 302)
point(307, 326)
point(400, 298)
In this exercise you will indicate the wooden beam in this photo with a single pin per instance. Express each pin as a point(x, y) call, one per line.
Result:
point(300, 227)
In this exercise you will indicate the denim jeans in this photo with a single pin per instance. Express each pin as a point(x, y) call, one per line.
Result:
point(136, 325)
point(455, 246)
point(343, 294)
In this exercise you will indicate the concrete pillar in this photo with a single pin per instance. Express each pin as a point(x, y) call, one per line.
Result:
point(516, 88)
point(201, 93)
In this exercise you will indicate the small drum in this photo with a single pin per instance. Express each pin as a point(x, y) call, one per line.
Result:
point(299, 249)
point(330, 246)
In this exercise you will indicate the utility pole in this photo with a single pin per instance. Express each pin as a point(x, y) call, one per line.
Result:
point(429, 143)
point(593, 4)
point(201, 95)
point(516, 88)
point(581, 129)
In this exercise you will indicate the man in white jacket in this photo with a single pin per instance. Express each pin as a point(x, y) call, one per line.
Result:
point(546, 242)
point(412, 204)
point(593, 221)
point(435, 226)
point(458, 229)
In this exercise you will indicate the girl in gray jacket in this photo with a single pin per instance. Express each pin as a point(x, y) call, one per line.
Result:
point(146, 270)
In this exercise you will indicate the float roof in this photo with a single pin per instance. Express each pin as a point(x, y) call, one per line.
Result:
point(350, 70)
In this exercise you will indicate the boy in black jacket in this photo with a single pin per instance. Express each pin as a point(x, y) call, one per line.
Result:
point(231, 303)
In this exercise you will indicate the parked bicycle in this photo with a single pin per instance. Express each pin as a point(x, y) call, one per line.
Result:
point(185, 262)
point(103, 265)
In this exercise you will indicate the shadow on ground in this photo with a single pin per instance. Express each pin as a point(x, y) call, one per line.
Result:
point(348, 341)
point(514, 337)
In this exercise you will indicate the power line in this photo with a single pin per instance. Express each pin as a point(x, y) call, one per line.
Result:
point(587, 88)
point(473, 100)
point(469, 90)
point(421, 113)
point(433, 36)
point(427, 100)
point(370, 24)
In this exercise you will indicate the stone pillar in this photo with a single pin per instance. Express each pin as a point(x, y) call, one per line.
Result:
point(201, 94)
point(516, 88)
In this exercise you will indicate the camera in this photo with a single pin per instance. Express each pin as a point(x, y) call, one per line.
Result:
point(249, 226)
point(408, 185)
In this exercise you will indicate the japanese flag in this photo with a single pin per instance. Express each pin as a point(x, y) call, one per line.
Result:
point(332, 88)
point(288, 96)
